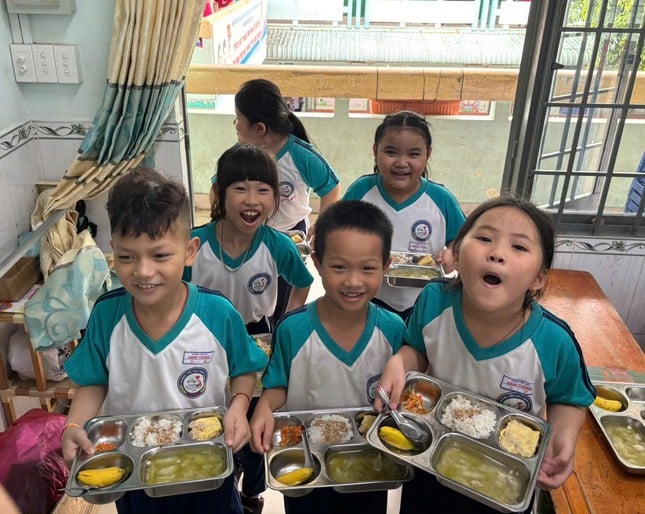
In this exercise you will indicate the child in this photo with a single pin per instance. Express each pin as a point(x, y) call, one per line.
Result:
point(486, 333)
point(425, 215)
point(160, 343)
point(239, 255)
point(242, 258)
point(263, 118)
point(330, 353)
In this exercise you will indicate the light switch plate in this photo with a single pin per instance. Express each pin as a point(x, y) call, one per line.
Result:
point(67, 61)
point(44, 63)
point(23, 63)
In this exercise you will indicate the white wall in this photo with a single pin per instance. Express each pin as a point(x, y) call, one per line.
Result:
point(14, 109)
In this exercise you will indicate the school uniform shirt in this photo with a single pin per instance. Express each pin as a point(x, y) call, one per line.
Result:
point(300, 169)
point(251, 280)
point(317, 372)
point(187, 368)
point(424, 223)
point(539, 365)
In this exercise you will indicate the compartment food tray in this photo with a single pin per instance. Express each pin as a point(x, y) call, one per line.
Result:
point(356, 455)
point(409, 270)
point(624, 430)
point(494, 476)
point(118, 433)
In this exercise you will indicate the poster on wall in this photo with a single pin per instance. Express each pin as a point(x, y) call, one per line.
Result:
point(237, 34)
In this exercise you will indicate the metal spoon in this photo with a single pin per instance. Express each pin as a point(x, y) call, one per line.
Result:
point(309, 460)
point(410, 428)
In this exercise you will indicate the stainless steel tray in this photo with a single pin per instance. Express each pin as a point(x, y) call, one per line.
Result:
point(140, 462)
point(450, 451)
point(628, 423)
point(300, 240)
point(357, 457)
point(409, 270)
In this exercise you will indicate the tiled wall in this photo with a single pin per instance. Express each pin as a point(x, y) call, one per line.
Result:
point(618, 265)
point(42, 151)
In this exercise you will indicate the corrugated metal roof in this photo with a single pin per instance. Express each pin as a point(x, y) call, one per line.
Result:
point(404, 46)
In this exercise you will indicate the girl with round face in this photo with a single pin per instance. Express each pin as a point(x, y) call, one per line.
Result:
point(425, 215)
point(484, 332)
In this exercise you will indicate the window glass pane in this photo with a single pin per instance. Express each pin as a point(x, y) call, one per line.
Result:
point(624, 195)
point(575, 51)
point(631, 148)
point(626, 13)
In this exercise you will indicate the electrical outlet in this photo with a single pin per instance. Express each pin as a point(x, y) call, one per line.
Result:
point(44, 63)
point(67, 64)
point(23, 63)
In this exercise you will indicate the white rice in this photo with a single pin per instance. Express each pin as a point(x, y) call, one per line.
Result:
point(330, 429)
point(156, 432)
point(469, 418)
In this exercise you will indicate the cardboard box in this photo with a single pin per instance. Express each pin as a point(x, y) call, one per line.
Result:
point(17, 281)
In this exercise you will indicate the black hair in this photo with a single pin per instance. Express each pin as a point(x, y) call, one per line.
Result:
point(405, 120)
point(353, 215)
point(244, 162)
point(145, 202)
point(542, 222)
point(261, 101)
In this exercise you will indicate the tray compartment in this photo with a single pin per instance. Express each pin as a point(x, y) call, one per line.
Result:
point(156, 430)
point(363, 468)
point(626, 436)
point(196, 430)
point(330, 428)
point(482, 472)
point(187, 468)
point(428, 390)
point(612, 393)
point(636, 394)
point(462, 418)
point(106, 494)
point(525, 440)
point(111, 432)
point(285, 461)
point(412, 275)
point(388, 421)
point(364, 420)
point(284, 434)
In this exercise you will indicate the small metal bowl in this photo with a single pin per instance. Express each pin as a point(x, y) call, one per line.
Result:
point(107, 431)
point(106, 494)
point(288, 460)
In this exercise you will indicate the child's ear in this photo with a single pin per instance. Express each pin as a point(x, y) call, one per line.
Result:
point(386, 266)
point(317, 263)
point(540, 281)
point(260, 129)
point(191, 250)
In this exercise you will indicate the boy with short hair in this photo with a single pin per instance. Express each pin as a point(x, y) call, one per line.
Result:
point(331, 352)
point(160, 343)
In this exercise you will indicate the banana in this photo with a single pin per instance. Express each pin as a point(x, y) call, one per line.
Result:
point(296, 477)
point(427, 260)
point(607, 404)
point(102, 477)
point(394, 437)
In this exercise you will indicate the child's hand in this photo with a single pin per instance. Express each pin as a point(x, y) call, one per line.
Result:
point(236, 429)
point(262, 425)
point(566, 422)
point(557, 464)
point(446, 260)
point(392, 382)
point(72, 439)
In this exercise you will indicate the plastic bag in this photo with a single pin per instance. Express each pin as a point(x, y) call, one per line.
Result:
point(32, 468)
point(19, 358)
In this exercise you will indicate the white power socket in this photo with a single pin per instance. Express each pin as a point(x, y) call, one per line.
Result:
point(67, 68)
point(23, 63)
point(44, 63)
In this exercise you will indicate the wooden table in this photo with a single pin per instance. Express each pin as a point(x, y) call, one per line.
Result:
point(598, 484)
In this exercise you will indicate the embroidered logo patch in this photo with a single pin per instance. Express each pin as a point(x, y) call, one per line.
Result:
point(520, 393)
point(192, 382)
point(421, 230)
point(286, 190)
point(259, 283)
point(372, 383)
